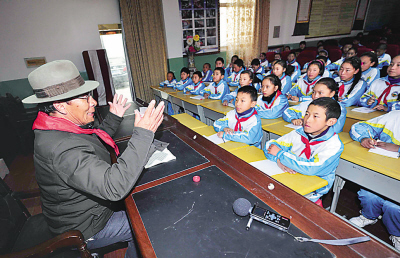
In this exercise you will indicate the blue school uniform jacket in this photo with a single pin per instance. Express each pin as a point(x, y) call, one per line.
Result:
point(195, 89)
point(384, 60)
point(336, 65)
point(380, 90)
point(323, 161)
point(296, 73)
point(216, 91)
point(274, 109)
point(304, 89)
point(260, 73)
point(166, 83)
point(182, 84)
point(250, 131)
point(354, 97)
point(299, 111)
point(286, 83)
point(264, 64)
point(385, 128)
point(208, 76)
point(370, 75)
point(233, 94)
point(233, 79)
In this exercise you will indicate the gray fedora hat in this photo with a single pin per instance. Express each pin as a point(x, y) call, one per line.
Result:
point(57, 80)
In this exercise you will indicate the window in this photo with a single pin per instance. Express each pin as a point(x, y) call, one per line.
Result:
point(201, 17)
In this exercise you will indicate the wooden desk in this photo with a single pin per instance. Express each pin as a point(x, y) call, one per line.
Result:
point(377, 173)
point(355, 117)
point(189, 121)
point(206, 131)
point(188, 218)
point(215, 110)
point(300, 183)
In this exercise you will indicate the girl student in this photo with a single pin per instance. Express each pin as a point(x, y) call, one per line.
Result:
point(384, 92)
point(369, 62)
point(279, 69)
point(272, 102)
point(196, 86)
point(325, 87)
point(170, 80)
point(351, 86)
point(246, 79)
point(303, 89)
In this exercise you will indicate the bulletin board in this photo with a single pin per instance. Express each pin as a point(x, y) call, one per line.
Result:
point(331, 17)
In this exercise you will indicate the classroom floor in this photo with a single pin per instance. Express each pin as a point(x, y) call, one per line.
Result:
point(22, 178)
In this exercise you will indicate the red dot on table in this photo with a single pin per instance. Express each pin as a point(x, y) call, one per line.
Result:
point(196, 179)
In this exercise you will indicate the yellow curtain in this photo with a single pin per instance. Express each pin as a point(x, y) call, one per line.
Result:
point(143, 25)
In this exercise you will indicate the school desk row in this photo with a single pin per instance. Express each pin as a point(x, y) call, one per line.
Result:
point(377, 173)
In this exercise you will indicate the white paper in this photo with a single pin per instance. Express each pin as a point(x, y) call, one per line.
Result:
point(142, 110)
point(363, 110)
point(293, 126)
point(215, 139)
point(231, 105)
point(267, 167)
point(159, 157)
point(383, 152)
point(164, 95)
point(199, 97)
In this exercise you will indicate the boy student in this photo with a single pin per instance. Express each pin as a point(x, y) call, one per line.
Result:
point(313, 149)
point(241, 124)
point(197, 86)
point(336, 65)
point(263, 60)
point(383, 58)
point(387, 129)
point(238, 68)
point(219, 62)
point(302, 45)
point(258, 70)
point(185, 80)
point(207, 73)
point(291, 60)
point(229, 69)
point(218, 89)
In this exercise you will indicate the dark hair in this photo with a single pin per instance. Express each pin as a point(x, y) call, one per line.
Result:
point(234, 56)
point(255, 61)
point(274, 80)
point(287, 46)
point(220, 59)
point(239, 62)
point(282, 63)
point(323, 58)
point(249, 90)
point(292, 52)
point(372, 56)
point(222, 70)
point(320, 65)
point(354, 48)
point(330, 84)
point(356, 63)
point(250, 73)
point(47, 107)
point(186, 70)
point(276, 53)
point(321, 42)
point(382, 46)
point(209, 65)
point(324, 51)
point(331, 106)
point(198, 73)
point(264, 54)
point(173, 75)
point(302, 42)
point(289, 70)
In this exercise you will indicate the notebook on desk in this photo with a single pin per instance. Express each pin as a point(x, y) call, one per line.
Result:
point(383, 152)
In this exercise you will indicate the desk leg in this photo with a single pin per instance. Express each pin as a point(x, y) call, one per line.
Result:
point(200, 110)
point(337, 187)
point(264, 139)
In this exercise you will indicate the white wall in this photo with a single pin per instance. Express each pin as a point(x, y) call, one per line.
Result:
point(56, 29)
point(173, 28)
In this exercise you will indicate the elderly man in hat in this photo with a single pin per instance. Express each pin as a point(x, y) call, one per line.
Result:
point(73, 168)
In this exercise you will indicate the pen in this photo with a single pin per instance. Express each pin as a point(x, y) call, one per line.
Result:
point(370, 135)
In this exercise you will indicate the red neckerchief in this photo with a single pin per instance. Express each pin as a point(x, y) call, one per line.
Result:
point(46, 122)
point(341, 90)
point(309, 85)
point(238, 126)
point(385, 93)
point(234, 79)
point(215, 89)
point(278, 93)
point(195, 87)
point(307, 149)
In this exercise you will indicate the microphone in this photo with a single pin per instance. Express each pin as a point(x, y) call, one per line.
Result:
point(242, 207)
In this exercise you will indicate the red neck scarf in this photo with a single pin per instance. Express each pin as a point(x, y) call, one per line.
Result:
point(307, 149)
point(46, 122)
point(215, 89)
point(238, 126)
point(385, 93)
point(341, 90)
point(278, 93)
point(309, 85)
point(195, 87)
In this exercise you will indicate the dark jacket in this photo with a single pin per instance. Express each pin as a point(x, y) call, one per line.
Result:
point(77, 180)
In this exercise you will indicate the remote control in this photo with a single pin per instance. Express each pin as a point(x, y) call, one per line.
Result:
point(268, 217)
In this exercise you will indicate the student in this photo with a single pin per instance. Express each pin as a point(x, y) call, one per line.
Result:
point(369, 62)
point(246, 79)
point(313, 149)
point(303, 89)
point(320, 43)
point(219, 62)
point(325, 87)
point(263, 61)
point(197, 86)
point(229, 69)
point(351, 86)
point(272, 67)
point(384, 92)
point(207, 73)
point(356, 42)
point(336, 65)
point(323, 52)
point(286, 48)
point(272, 102)
point(185, 80)
point(319, 48)
point(326, 73)
point(383, 58)
point(385, 128)
point(279, 70)
point(233, 79)
point(241, 124)
point(169, 81)
point(258, 70)
point(352, 52)
point(292, 61)
point(302, 45)
point(277, 56)
point(218, 89)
